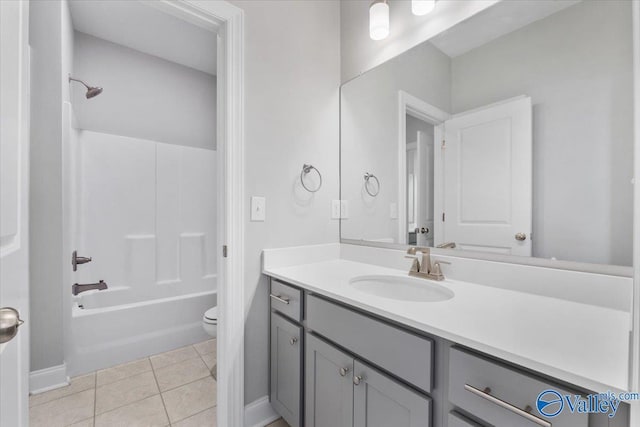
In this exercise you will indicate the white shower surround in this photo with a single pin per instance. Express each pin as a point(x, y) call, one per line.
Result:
point(151, 230)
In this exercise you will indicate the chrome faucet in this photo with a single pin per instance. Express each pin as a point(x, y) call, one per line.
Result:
point(78, 288)
point(422, 267)
point(446, 245)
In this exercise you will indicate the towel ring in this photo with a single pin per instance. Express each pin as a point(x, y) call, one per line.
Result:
point(305, 170)
point(367, 177)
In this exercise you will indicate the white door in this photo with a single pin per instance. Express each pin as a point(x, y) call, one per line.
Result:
point(487, 171)
point(14, 169)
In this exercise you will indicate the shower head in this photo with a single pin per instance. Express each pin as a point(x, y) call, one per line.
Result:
point(92, 91)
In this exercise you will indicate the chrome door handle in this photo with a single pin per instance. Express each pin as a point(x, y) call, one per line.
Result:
point(9, 323)
point(521, 237)
point(280, 298)
point(486, 394)
point(293, 340)
point(357, 380)
point(343, 372)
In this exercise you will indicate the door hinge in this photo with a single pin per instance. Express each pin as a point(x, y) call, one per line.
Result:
point(442, 216)
point(224, 251)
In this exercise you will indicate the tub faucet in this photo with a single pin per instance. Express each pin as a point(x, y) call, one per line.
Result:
point(78, 288)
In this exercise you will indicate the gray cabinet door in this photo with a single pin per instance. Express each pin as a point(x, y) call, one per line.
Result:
point(286, 369)
point(328, 385)
point(380, 401)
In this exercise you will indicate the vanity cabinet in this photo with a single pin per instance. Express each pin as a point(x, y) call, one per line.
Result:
point(333, 365)
point(342, 391)
point(286, 369)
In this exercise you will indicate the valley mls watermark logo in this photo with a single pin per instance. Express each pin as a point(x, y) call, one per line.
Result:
point(551, 403)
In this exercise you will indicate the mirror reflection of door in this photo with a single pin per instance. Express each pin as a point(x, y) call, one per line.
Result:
point(420, 138)
point(487, 179)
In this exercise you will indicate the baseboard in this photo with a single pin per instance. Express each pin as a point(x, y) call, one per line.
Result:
point(48, 379)
point(259, 413)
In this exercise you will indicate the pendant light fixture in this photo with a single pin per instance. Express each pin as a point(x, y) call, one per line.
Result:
point(422, 7)
point(379, 20)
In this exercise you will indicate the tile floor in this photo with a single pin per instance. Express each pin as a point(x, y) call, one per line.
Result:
point(173, 388)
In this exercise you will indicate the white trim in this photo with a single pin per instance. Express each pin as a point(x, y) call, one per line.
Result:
point(409, 104)
point(634, 351)
point(48, 379)
point(259, 413)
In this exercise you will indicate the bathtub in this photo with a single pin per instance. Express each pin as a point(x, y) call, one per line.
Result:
point(116, 326)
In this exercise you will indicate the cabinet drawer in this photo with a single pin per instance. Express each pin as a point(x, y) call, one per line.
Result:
point(401, 353)
point(286, 300)
point(457, 420)
point(501, 395)
point(286, 369)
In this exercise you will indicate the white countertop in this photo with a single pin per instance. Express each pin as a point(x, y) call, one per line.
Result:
point(581, 344)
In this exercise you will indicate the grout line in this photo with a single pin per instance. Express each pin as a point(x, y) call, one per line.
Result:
point(61, 397)
point(198, 413)
point(164, 406)
point(95, 396)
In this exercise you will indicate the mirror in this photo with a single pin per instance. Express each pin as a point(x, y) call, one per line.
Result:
point(510, 133)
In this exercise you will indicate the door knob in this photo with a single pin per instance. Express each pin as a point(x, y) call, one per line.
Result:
point(343, 371)
point(9, 323)
point(357, 379)
point(521, 237)
point(293, 340)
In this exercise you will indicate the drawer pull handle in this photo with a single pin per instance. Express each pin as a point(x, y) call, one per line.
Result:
point(293, 340)
point(485, 395)
point(280, 298)
point(343, 372)
point(357, 379)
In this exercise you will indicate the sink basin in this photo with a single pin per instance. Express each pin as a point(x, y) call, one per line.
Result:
point(402, 288)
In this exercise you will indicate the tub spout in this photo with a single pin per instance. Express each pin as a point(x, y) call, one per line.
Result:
point(78, 288)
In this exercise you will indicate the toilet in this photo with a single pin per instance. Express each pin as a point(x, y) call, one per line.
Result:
point(210, 321)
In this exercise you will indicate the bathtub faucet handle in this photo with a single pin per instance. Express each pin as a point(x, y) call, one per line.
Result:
point(77, 260)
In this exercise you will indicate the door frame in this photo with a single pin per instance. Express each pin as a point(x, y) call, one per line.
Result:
point(227, 21)
point(415, 107)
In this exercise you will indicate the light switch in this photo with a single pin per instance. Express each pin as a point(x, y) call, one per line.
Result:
point(335, 209)
point(393, 211)
point(258, 208)
point(344, 209)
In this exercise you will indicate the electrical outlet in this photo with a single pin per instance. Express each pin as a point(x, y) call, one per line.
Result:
point(335, 209)
point(258, 208)
point(344, 209)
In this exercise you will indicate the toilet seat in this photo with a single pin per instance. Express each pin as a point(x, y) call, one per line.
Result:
point(211, 316)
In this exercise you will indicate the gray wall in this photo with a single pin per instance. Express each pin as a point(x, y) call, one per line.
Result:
point(45, 198)
point(144, 96)
point(292, 75)
point(577, 67)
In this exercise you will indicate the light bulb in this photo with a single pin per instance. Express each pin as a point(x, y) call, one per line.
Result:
point(379, 20)
point(422, 7)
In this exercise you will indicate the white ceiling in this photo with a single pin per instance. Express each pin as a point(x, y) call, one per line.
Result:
point(148, 30)
point(496, 21)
